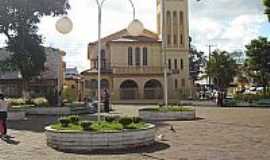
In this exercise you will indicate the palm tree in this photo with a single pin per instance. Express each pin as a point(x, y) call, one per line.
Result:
point(222, 68)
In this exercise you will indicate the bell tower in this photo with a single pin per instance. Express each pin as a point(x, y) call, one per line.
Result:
point(175, 24)
point(174, 30)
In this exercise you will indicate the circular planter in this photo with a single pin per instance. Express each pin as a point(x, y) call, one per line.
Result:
point(149, 115)
point(15, 115)
point(90, 141)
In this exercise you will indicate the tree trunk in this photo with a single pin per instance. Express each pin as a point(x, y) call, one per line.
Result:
point(25, 89)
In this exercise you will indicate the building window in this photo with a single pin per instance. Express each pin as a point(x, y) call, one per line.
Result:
point(183, 82)
point(181, 39)
point(169, 29)
point(145, 55)
point(130, 56)
point(169, 64)
point(175, 29)
point(182, 64)
point(103, 59)
point(102, 54)
point(175, 39)
point(138, 56)
point(181, 18)
point(168, 39)
point(176, 83)
point(175, 64)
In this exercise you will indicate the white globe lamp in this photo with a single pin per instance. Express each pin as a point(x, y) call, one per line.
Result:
point(64, 25)
point(135, 28)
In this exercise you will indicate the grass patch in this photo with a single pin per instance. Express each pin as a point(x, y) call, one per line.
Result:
point(169, 109)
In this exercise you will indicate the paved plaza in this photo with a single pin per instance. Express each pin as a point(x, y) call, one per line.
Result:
point(218, 134)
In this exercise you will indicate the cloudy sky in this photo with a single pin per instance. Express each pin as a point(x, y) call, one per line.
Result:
point(226, 24)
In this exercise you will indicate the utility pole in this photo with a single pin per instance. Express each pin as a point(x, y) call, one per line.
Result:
point(210, 54)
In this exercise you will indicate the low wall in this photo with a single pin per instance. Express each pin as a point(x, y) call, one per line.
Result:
point(49, 111)
point(14, 115)
point(90, 141)
point(166, 116)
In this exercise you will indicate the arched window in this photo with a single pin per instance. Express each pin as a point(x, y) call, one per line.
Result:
point(175, 29)
point(138, 56)
point(182, 64)
point(169, 31)
point(103, 59)
point(102, 54)
point(175, 64)
point(145, 55)
point(169, 64)
point(130, 56)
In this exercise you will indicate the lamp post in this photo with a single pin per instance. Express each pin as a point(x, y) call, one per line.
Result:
point(134, 28)
point(164, 41)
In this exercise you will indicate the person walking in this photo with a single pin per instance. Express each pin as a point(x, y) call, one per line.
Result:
point(106, 101)
point(3, 114)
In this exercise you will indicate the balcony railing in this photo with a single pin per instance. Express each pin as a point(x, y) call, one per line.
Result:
point(137, 70)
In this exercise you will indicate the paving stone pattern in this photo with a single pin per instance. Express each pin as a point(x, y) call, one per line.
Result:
point(220, 134)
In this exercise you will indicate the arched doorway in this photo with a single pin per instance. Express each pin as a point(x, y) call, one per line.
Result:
point(153, 89)
point(128, 90)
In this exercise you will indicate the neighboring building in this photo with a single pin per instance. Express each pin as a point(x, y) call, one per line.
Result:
point(132, 66)
point(74, 84)
point(49, 84)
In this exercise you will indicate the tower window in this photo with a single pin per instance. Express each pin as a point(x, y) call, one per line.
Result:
point(175, 64)
point(183, 82)
point(176, 83)
point(145, 55)
point(169, 64)
point(181, 39)
point(168, 39)
point(182, 64)
point(175, 39)
point(138, 56)
point(130, 56)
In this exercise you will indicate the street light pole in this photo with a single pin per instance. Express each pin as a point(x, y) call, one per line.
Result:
point(164, 41)
point(135, 27)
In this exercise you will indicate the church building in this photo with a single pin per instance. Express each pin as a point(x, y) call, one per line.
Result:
point(132, 67)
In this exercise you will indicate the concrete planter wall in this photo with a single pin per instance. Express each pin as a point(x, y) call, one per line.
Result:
point(166, 116)
point(14, 115)
point(49, 111)
point(90, 141)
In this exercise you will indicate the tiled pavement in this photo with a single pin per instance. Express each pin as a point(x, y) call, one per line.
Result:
point(220, 134)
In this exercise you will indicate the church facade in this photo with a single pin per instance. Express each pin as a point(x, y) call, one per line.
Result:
point(132, 67)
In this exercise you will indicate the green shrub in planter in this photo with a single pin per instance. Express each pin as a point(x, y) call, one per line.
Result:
point(43, 102)
point(131, 126)
point(137, 119)
point(64, 121)
point(74, 119)
point(125, 121)
point(110, 119)
point(86, 125)
point(16, 101)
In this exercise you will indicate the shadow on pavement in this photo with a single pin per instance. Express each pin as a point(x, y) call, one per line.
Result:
point(157, 146)
point(33, 123)
point(10, 140)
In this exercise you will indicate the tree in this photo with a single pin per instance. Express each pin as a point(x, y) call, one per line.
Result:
point(18, 22)
point(258, 60)
point(197, 62)
point(222, 68)
point(267, 8)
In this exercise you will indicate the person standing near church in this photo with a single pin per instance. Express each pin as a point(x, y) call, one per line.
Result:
point(3, 113)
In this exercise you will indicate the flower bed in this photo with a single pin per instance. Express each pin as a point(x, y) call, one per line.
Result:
point(167, 113)
point(72, 135)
